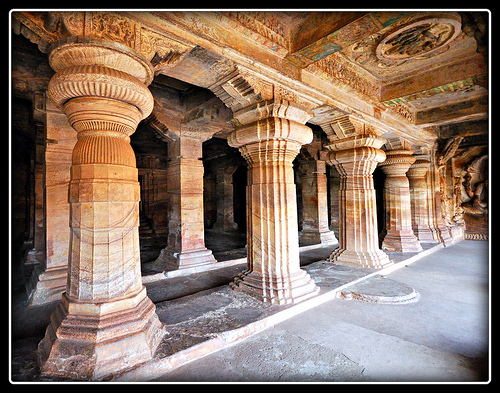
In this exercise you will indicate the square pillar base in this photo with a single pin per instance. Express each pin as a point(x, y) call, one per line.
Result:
point(93, 341)
point(376, 259)
point(401, 241)
point(276, 290)
point(174, 260)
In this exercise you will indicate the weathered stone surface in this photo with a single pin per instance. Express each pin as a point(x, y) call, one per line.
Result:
point(269, 145)
point(106, 322)
point(381, 290)
point(398, 231)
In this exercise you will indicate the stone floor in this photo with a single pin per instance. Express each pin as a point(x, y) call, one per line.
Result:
point(246, 340)
point(442, 337)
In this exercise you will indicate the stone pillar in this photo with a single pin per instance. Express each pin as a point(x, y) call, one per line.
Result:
point(186, 236)
point(269, 140)
point(358, 242)
point(355, 152)
point(315, 204)
point(437, 192)
point(399, 234)
point(224, 190)
point(419, 198)
point(105, 322)
point(334, 181)
point(49, 278)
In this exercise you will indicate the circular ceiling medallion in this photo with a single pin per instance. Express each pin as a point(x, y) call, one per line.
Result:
point(418, 38)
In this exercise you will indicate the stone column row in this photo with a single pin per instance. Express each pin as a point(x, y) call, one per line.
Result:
point(105, 322)
point(356, 150)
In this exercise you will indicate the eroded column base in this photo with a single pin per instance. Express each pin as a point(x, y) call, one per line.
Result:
point(276, 290)
point(401, 241)
point(48, 285)
point(316, 237)
point(93, 341)
point(174, 260)
point(376, 259)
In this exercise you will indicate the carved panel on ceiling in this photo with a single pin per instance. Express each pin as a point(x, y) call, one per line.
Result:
point(417, 39)
point(418, 36)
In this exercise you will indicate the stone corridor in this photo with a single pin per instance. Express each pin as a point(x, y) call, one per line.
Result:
point(269, 156)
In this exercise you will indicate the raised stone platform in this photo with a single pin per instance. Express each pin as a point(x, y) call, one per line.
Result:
point(379, 289)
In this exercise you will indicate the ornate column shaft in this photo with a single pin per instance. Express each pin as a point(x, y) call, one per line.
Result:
point(358, 233)
point(269, 141)
point(419, 198)
point(355, 152)
point(106, 322)
point(399, 233)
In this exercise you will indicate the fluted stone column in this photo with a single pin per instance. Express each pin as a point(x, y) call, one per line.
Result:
point(358, 233)
point(399, 234)
point(269, 144)
point(105, 322)
point(419, 198)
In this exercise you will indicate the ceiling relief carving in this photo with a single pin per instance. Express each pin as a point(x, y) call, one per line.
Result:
point(417, 39)
point(46, 28)
point(396, 66)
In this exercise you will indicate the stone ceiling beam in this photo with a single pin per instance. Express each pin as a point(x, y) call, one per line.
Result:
point(367, 56)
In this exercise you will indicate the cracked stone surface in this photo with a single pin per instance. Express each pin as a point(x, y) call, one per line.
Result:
point(303, 361)
point(442, 337)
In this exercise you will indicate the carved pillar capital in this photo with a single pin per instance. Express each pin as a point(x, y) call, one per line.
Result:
point(105, 76)
point(349, 161)
point(419, 168)
point(349, 132)
point(396, 165)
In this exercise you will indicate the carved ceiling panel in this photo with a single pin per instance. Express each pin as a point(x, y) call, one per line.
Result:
point(387, 65)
